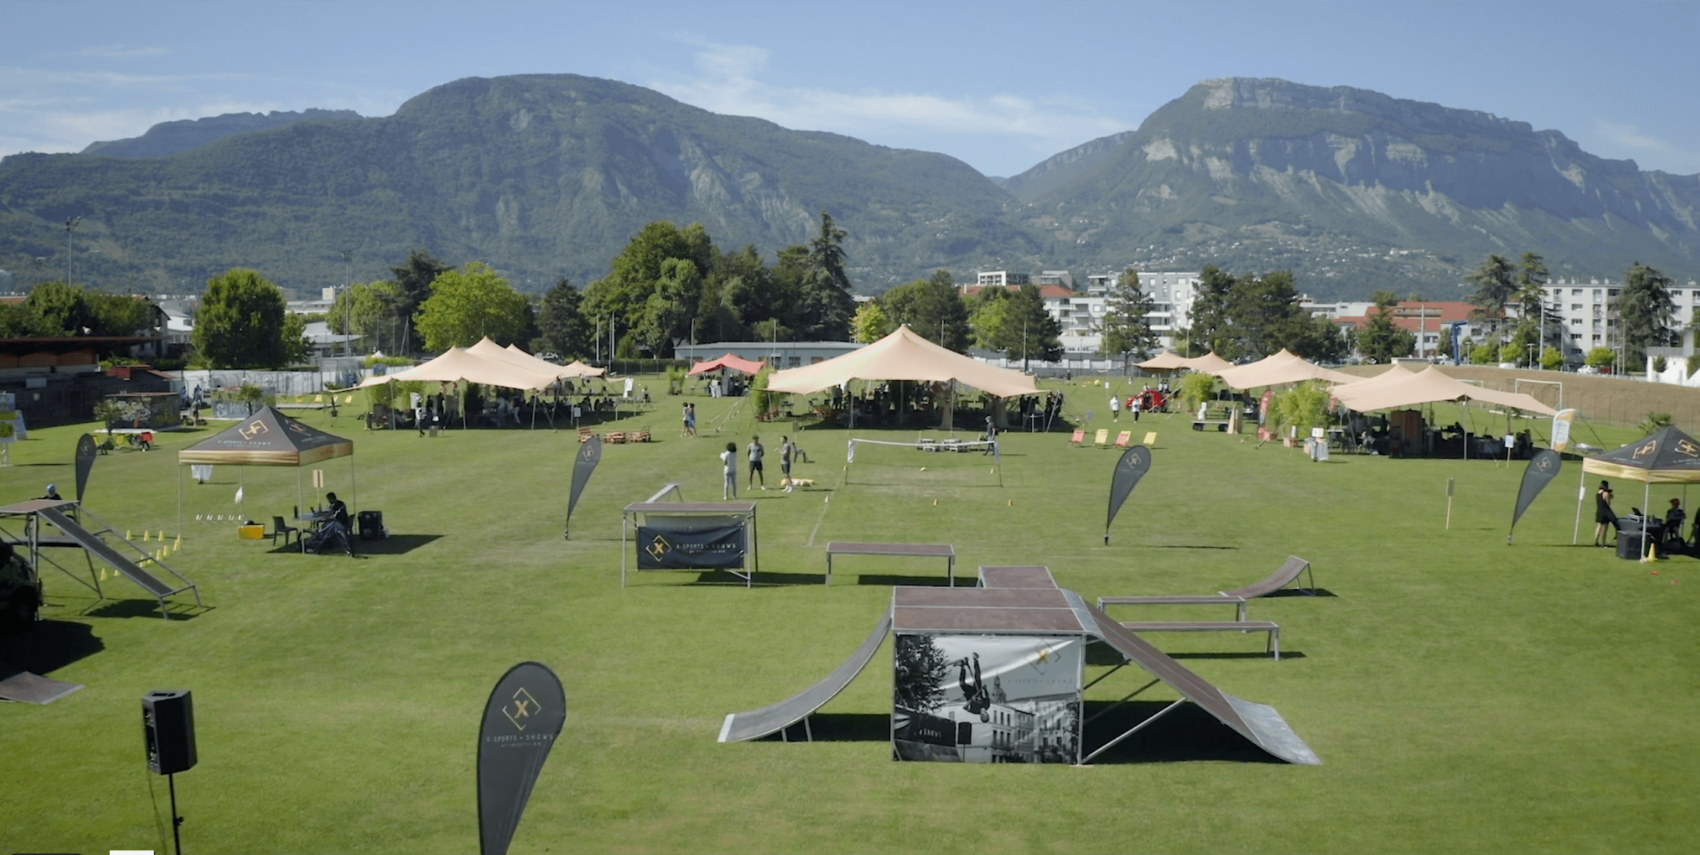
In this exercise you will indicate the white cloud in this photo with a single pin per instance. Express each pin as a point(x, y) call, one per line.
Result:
point(730, 82)
point(1632, 137)
point(123, 52)
point(1670, 156)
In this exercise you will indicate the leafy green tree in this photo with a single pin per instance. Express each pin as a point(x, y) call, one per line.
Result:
point(414, 277)
point(1445, 346)
point(1304, 406)
point(1552, 359)
point(369, 309)
point(241, 322)
point(1509, 352)
point(1127, 324)
point(988, 314)
point(637, 274)
point(561, 327)
point(1196, 388)
point(738, 292)
point(871, 323)
point(120, 314)
point(1601, 357)
point(671, 306)
point(1494, 288)
point(1645, 310)
point(932, 309)
point(296, 348)
point(467, 305)
point(1382, 340)
point(1486, 353)
point(56, 309)
point(14, 323)
point(1210, 314)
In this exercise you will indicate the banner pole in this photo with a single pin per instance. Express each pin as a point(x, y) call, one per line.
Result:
point(1581, 490)
point(1449, 485)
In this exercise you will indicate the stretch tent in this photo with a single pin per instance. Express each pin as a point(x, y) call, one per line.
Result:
point(1209, 363)
point(1426, 387)
point(1666, 456)
point(903, 355)
point(267, 438)
point(577, 368)
point(743, 366)
point(1279, 369)
point(1168, 360)
point(460, 364)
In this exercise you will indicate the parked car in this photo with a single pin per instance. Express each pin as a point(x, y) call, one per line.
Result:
point(1587, 369)
point(20, 592)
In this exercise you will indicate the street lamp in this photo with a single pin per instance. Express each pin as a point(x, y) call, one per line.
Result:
point(70, 225)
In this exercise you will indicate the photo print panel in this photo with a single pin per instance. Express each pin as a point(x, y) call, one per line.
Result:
point(986, 698)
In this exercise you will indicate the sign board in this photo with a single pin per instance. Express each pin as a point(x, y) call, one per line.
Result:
point(685, 547)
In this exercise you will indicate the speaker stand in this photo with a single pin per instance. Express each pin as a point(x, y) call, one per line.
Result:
point(176, 821)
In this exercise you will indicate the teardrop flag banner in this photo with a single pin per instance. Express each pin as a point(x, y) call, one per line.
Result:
point(1543, 467)
point(1132, 466)
point(522, 719)
point(589, 454)
point(87, 451)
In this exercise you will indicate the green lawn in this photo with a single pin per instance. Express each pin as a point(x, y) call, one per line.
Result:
point(1464, 695)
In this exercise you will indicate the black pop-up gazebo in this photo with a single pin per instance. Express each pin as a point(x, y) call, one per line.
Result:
point(268, 438)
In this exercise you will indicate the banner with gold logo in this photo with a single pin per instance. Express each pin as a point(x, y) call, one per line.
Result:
point(691, 547)
point(87, 451)
point(1561, 424)
point(523, 717)
point(1132, 466)
point(1543, 467)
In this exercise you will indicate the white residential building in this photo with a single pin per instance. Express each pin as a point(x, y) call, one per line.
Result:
point(1583, 310)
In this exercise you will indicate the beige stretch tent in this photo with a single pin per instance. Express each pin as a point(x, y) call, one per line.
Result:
point(1426, 387)
point(1168, 360)
point(578, 368)
point(267, 438)
point(1209, 363)
point(459, 364)
point(903, 355)
point(1666, 456)
point(1279, 369)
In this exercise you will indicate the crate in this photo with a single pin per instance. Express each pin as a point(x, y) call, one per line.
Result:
point(251, 532)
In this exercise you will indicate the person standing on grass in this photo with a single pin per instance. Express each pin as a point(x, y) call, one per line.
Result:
point(685, 417)
point(756, 454)
point(1115, 408)
point(691, 418)
point(785, 451)
point(729, 467)
point(1604, 518)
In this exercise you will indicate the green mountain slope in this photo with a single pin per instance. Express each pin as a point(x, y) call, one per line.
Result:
point(540, 176)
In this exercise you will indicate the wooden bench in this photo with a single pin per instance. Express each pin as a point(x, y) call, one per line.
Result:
point(1178, 600)
point(1273, 645)
point(905, 550)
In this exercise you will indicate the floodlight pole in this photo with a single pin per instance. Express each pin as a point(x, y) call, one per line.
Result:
point(347, 301)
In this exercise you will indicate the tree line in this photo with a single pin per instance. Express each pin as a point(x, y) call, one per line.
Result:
point(1644, 308)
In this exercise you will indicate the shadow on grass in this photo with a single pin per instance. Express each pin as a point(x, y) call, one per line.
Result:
point(762, 579)
point(1249, 654)
point(1300, 592)
point(1188, 734)
point(837, 727)
point(891, 580)
point(1185, 546)
point(113, 608)
point(51, 646)
point(395, 544)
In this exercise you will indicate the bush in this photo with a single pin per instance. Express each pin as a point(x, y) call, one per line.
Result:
point(1304, 406)
point(1512, 352)
point(765, 402)
point(1484, 354)
point(1551, 359)
point(1601, 357)
point(1659, 365)
point(1693, 364)
point(1196, 388)
point(1653, 422)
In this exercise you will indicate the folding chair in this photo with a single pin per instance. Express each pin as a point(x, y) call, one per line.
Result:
point(1123, 438)
point(1078, 438)
point(1150, 439)
point(1101, 439)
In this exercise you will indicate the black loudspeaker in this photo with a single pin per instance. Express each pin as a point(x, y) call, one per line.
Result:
point(372, 525)
point(168, 731)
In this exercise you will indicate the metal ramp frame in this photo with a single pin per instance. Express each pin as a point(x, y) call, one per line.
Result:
point(775, 718)
point(95, 545)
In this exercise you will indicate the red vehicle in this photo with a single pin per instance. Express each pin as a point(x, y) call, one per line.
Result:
point(1151, 401)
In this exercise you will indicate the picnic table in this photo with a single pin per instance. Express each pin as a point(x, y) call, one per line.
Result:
point(907, 550)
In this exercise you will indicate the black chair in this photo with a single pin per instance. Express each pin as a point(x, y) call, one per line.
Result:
point(278, 527)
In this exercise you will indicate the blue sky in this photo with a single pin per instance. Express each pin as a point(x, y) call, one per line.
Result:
point(1000, 85)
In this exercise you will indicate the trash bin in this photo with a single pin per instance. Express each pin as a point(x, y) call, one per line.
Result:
point(1629, 540)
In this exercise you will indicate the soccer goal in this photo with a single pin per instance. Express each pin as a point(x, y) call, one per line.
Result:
point(924, 462)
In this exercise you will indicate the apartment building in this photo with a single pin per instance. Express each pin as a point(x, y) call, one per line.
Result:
point(1583, 310)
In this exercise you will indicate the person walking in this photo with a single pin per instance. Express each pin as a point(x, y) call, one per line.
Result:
point(1115, 408)
point(729, 466)
point(1604, 518)
point(685, 419)
point(691, 418)
point(756, 454)
point(1134, 405)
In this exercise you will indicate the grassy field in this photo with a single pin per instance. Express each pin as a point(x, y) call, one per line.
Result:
point(1464, 695)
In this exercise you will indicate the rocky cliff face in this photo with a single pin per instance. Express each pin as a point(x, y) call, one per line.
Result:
point(1266, 173)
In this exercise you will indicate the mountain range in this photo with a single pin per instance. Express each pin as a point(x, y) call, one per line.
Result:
point(549, 175)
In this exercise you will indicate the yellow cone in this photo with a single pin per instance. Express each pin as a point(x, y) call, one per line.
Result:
point(126, 534)
point(1012, 503)
point(935, 503)
point(162, 535)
